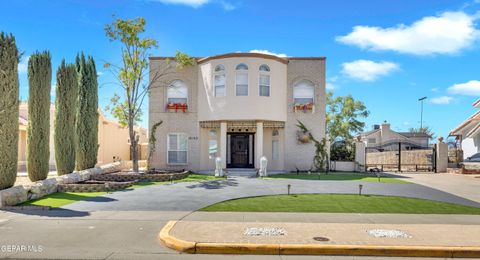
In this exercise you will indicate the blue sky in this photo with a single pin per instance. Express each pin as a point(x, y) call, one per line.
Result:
point(385, 53)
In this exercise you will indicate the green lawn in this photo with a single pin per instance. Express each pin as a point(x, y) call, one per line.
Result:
point(337, 177)
point(339, 203)
point(60, 199)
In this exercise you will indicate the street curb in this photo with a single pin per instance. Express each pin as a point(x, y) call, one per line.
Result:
point(312, 249)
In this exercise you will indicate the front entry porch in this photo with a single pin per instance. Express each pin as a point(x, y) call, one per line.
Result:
point(240, 150)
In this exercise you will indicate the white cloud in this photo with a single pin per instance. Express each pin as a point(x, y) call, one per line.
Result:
point(198, 3)
point(368, 70)
point(23, 65)
point(434, 89)
point(443, 100)
point(283, 55)
point(100, 73)
point(447, 33)
point(330, 86)
point(471, 88)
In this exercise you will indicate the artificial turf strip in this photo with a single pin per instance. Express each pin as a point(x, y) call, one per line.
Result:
point(340, 203)
point(59, 199)
point(337, 177)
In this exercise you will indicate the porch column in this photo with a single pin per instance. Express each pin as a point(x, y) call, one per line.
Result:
point(223, 144)
point(258, 144)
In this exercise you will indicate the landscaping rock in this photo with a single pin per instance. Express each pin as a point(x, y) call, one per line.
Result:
point(42, 188)
point(13, 196)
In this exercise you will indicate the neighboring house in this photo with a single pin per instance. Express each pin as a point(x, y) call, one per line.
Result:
point(468, 134)
point(383, 134)
point(113, 139)
point(239, 107)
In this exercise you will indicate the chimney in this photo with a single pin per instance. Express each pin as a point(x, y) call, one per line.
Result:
point(385, 127)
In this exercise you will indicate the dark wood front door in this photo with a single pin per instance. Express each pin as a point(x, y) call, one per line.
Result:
point(240, 150)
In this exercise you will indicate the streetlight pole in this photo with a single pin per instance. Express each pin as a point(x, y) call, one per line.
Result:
point(421, 112)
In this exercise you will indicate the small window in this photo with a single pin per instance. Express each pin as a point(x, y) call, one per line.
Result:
point(242, 66)
point(220, 85)
point(275, 132)
point(219, 81)
point(275, 150)
point(264, 85)
point(303, 92)
point(219, 68)
point(177, 148)
point(241, 84)
point(264, 68)
point(212, 144)
point(177, 92)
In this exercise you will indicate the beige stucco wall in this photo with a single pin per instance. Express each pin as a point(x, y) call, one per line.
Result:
point(112, 140)
point(179, 122)
point(301, 155)
point(251, 107)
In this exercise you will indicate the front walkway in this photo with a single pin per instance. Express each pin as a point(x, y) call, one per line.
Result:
point(193, 196)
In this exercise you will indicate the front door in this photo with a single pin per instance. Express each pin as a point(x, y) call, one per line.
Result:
point(240, 151)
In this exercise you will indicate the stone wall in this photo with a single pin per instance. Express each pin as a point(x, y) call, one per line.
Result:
point(121, 177)
point(19, 194)
point(94, 187)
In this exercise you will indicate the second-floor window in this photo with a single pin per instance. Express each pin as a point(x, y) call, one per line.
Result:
point(303, 92)
point(241, 80)
point(219, 81)
point(264, 81)
point(177, 93)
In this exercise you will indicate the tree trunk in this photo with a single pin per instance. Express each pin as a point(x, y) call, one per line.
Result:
point(133, 145)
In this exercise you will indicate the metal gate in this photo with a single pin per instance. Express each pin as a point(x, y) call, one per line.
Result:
point(401, 156)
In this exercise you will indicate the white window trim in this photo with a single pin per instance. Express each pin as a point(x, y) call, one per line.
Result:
point(219, 73)
point(245, 72)
point(168, 148)
point(188, 92)
point(314, 90)
point(265, 73)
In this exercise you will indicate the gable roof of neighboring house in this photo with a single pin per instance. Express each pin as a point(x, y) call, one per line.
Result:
point(473, 119)
point(415, 134)
point(364, 134)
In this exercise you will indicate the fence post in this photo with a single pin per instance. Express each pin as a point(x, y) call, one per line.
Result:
point(361, 154)
point(399, 156)
point(441, 156)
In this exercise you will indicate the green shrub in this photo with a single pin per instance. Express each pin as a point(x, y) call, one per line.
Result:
point(38, 129)
point(65, 104)
point(9, 57)
point(86, 126)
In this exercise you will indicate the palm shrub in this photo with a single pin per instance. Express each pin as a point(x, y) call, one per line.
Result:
point(65, 104)
point(86, 125)
point(38, 129)
point(9, 57)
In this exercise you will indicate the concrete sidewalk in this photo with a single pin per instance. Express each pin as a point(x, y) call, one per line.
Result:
point(354, 239)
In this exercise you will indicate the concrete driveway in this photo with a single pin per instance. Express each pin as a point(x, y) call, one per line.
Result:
point(466, 186)
point(193, 196)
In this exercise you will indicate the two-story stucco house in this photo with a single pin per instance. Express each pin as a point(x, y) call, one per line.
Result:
point(239, 107)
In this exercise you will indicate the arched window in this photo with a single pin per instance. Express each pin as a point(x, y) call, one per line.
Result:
point(219, 68)
point(264, 67)
point(219, 81)
point(303, 92)
point(241, 80)
point(241, 66)
point(264, 81)
point(177, 92)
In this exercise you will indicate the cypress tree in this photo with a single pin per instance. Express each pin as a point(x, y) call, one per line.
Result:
point(9, 85)
point(86, 126)
point(38, 129)
point(65, 104)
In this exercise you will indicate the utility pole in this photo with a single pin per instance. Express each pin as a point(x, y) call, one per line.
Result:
point(421, 112)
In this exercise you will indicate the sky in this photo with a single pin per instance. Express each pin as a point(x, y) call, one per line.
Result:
point(387, 54)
